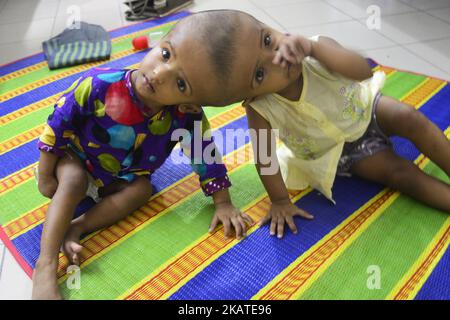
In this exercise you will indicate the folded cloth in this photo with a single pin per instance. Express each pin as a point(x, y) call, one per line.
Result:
point(80, 43)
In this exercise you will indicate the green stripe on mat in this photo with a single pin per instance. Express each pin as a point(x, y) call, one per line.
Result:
point(20, 200)
point(24, 124)
point(214, 111)
point(384, 244)
point(132, 260)
point(400, 83)
point(116, 47)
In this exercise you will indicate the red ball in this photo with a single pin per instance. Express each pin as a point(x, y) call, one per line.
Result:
point(140, 43)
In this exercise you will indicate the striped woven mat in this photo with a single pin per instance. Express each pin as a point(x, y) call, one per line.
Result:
point(374, 244)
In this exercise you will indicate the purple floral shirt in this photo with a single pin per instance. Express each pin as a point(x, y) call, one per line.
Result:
point(100, 118)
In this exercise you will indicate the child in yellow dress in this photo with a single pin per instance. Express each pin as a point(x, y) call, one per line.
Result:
point(332, 120)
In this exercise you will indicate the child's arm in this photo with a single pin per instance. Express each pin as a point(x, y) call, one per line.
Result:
point(282, 210)
point(293, 48)
point(213, 179)
point(341, 60)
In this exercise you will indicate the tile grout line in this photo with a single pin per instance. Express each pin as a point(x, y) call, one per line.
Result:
point(424, 10)
point(382, 15)
point(2, 6)
point(54, 18)
point(435, 17)
point(304, 26)
point(29, 20)
point(431, 63)
point(122, 16)
point(402, 45)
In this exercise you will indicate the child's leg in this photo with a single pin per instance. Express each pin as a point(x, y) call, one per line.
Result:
point(123, 201)
point(398, 119)
point(389, 169)
point(72, 184)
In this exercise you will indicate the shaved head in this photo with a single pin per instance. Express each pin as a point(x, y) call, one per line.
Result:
point(217, 31)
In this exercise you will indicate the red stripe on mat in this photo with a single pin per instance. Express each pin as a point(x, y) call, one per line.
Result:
point(12, 249)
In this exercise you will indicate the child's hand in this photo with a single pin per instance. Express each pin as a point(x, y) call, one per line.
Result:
point(47, 185)
point(292, 49)
point(283, 212)
point(229, 216)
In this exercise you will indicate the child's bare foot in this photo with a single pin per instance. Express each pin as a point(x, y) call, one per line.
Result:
point(45, 283)
point(71, 246)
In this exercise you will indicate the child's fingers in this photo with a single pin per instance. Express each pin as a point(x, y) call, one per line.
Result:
point(213, 225)
point(243, 226)
point(264, 220)
point(288, 55)
point(295, 51)
point(273, 226)
point(280, 226)
point(281, 55)
point(303, 214)
point(278, 57)
point(300, 48)
point(247, 219)
point(237, 227)
point(290, 222)
point(226, 228)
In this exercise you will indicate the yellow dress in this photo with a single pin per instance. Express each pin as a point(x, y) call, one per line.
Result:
point(331, 111)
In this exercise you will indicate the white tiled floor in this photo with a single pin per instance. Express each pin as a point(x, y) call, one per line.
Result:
point(414, 35)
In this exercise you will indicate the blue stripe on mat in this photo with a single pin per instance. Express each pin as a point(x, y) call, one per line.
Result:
point(39, 57)
point(20, 64)
point(372, 63)
point(437, 286)
point(252, 263)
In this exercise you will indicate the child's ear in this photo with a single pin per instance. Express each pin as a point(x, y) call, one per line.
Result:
point(190, 108)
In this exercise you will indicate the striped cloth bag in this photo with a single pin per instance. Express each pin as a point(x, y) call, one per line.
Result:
point(80, 43)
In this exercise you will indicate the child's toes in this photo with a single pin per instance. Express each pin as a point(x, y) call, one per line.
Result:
point(75, 249)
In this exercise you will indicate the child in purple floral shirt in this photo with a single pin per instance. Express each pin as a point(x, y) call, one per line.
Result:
point(112, 129)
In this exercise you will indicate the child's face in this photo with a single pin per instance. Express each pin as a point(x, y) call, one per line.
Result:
point(258, 45)
point(174, 72)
